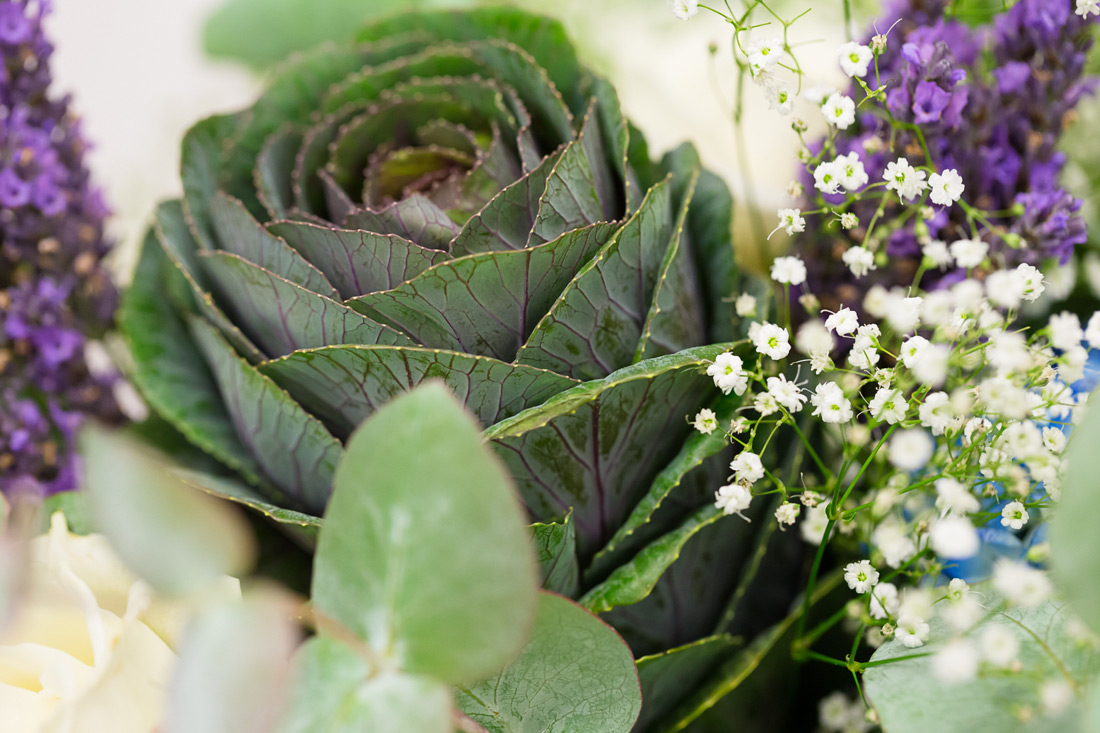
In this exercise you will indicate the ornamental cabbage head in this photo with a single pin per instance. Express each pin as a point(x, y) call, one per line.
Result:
point(456, 198)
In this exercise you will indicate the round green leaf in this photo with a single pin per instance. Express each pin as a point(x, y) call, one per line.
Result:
point(575, 674)
point(424, 552)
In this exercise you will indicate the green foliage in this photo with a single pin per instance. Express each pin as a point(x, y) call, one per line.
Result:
point(177, 539)
point(575, 674)
point(261, 33)
point(396, 545)
point(997, 699)
point(1075, 543)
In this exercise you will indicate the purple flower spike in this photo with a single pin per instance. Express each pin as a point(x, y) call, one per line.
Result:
point(54, 289)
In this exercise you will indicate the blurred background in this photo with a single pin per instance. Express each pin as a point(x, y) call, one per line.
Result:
point(143, 71)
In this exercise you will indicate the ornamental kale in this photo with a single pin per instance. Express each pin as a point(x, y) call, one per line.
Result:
point(54, 289)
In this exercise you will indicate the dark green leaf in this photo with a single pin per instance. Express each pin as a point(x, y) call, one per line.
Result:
point(343, 385)
point(598, 447)
point(415, 218)
point(667, 678)
point(168, 369)
point(357, 261)
point(424, 553)
point(575, 674)
point(234, 491)
point(484, 303)
point(200, 167)
point(556, 546)
point(275, 171)
point(295, 451)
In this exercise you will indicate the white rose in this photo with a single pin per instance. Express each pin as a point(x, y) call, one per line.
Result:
point(89, 648)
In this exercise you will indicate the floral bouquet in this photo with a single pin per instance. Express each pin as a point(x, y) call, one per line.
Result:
point(458, 412)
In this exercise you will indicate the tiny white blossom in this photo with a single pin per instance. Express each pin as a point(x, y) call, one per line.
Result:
point(706, 422)
point(902, 177)
point(1033, 281)
point(1092, 330)
point(859, 260)
point(849, 220)
point(765, 404)
point(747, 466)
point(931, 366)
point(1005, 288)
point(728, 374)
point(937, 251)
point(947, 187)
point(1014, 515)
point(685, 9)
point(1007, 352)
point(888, 405)
point(1000, 645)
point(956, 662)
point(875, 301)
point(820, 361)
point(852, 174)
point(954, 537)
point(935, 412)
point(860, 576)
point(830, 404)
point(789, 270)
point(1021, 584)
point(733, 499)
point(1084, 7)
point(787, 513)
point(745, 305)
point(912, 348)
point(910, 449)
point(904, 313)
point(1065, 331)
point(812, 336)
point(953, 498)
point(827, 178)
point(767, 54)
point(779, 98)
point(1056, 695)
point(969, 253)
point(884, 600)
point(855, 58)
point(772, 340)
point(813, 526)
point(1054, 439)
point(786, 393)
point(891, 538)
point(912, 631)
point(790, 221)
point(839, 110)
point(844, 322)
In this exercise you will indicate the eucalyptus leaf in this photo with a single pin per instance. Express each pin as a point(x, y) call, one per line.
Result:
point(336, 691)
point(424, 554)
point(177, 539)
point(1075, 543)
point(575, 674)
point(234, 667)
point(996, 699)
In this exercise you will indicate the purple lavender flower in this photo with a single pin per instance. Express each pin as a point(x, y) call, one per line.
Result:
point(990, 102)
point(54, 290)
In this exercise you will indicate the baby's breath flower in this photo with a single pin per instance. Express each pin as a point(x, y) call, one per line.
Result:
point(849, 220)
point(912, 631)
point(935, 412)
point(855, 58)
point(1092, 330)
point(733, 499)
point(1033, 281)
point(884, 600)
point(891, 538)
point(954, 537)
point(766, 55)
point(937, 252)
point(812, 336)
point(947, 187)
point(956, 662)
point(969, 253)
point(878, 43)
point(910, 449)
point(728, 374)
point(772, 340)
point(827, 178)
point(787, 513)
point(1056, 695)
point(1014, 515)
point(907, 181)
point(786, 393)
point(685, 9)
point(912, 348)
point(999, 645)
point(1065, 331)
point(765, 404)
point(954, 498)
point(903, 314)
point(745, 305)
point(820, 361)
point(1054, 439)
point(931, 366)
point(789, 270)
point(859, 260)
point(830, 404)
point(852, 174)
point(790, 221)
point(844, 322)
point(888, 405)
point(748, 467)
point(860, 576)
point(1085, 7)
point(839, 110)
point(779, 98)
point(706, 422)
point(1021, 584)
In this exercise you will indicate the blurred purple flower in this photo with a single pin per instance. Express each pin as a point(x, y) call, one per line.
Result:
point(54, 289)
point(991, 102)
